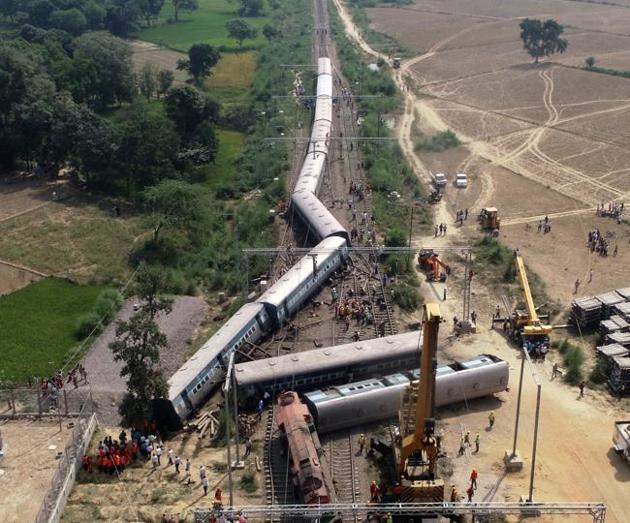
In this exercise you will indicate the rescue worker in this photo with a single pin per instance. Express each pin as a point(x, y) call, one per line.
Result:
point(361, 443)
point(473, 478)
point(470, 493)
point(491, 419)
point(467, 438)
point(477, 440)
point(454, 494)
point(218, 497)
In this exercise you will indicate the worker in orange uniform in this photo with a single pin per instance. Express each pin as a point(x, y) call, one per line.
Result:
point(470, 493)
point(218, 497)
point(473, 478)
point(375, 492)
point(454, 494)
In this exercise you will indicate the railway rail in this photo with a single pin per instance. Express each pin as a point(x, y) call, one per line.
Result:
point(342, 468)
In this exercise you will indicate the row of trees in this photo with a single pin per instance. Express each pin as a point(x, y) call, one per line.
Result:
point(121, 17)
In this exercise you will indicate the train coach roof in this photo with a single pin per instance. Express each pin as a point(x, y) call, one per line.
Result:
point(300, 272)
point(211, 348)
point(322, 360)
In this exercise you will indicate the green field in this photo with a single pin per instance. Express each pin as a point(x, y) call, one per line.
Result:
point(206, 24)
point(37, 326)
point(223, 171)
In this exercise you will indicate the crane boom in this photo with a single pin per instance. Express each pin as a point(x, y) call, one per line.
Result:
point(532, 325)
point(529, 300)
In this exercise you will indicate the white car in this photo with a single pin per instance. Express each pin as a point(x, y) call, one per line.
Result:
point(439, 180)
point(461, 180)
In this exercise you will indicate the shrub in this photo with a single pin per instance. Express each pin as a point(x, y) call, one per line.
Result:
point(590, 62)
point(248, 482)
point(573, 359)
point(438, 142)
point(107, 304)
point(599, 373)
point(86, 324)
point(405, 296)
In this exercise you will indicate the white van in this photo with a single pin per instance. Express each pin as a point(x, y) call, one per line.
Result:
point(439, 180)
point(461, 180)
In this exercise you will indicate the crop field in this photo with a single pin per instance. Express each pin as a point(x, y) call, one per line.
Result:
point(223, 171)
point(205, 25)
point(74, 238)
point(542, 139)
point(38, 324)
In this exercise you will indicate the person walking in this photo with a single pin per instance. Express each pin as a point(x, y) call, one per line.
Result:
point(202, 472)
point(218, 497)
point(361, 443)
point(555, 371)
point(204, 483)
point(373, 489)
point(248, 447)
point(170, 457)
point(462, 447)
point(154, 460)
point(178, 462)
point(473, 479)
point(470, 493)
point(477, 440)
point(454, 494)
point(577, 286)
point(159, 451)
point(444, 294)
point(582, 385)
point(187, 468)
point(491, 419)
point(467, 438)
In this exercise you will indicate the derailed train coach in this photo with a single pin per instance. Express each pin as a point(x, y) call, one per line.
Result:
point(379, 399)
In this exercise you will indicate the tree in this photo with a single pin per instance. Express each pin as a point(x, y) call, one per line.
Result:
point(71, 20)
point(121, 17)
point(175, 204)
point(270, 32)
point(184, 5)
point(138, 344)
point(148, 80)
point(94, 14)
point(148, 148)
point(194, 115)
point(102, 72)
point(590, 62)
point(150, 10)
point(201, 59)
point(240, 30)
point(250, 8)
point(165, 81)
point(9, 8)
point(38, 12)
point(542, 38)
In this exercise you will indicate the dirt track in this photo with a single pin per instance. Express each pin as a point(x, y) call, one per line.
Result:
point(575, 461)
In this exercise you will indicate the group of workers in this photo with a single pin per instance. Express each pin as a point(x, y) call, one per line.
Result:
point(537, 349)
point(597, 243)
point(112, 455)
point(614, 209)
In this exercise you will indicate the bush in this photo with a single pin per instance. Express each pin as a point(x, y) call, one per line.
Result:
point(405, 296)
point(438, 142)
point(86, 324)
point(107, 304)
point(599, 373)
point(573, 360)
point(248, 482)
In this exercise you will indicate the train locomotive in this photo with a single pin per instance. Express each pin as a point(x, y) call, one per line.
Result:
point(200, 374)
point(307, 475)
point(379, 399)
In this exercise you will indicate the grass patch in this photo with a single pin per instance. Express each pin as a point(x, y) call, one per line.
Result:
point(437, 143)
point(205, 25)
point(38, 326)
point(234, 70)
point(221, 175)
point(248, 482)
point(72, 239)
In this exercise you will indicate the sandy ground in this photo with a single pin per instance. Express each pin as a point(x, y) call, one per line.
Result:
point(105, 383)
point(28, 466)
point(575, 460)
point(13, 278)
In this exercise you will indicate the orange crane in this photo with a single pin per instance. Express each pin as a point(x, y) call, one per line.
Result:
point(418, 446)
point(431, 263)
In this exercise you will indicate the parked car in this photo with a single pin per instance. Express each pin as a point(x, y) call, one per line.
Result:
point(461, 180)
point(439, 180)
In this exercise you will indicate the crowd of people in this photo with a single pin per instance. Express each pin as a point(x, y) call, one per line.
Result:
point(544, 226)
point(537, 349)
point(614, 209)
point(440, 230)
point(597, 243)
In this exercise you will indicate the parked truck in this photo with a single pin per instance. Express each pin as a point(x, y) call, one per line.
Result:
point(621, 439)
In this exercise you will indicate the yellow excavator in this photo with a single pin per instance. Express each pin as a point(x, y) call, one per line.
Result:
point(418, 452)
point(526, 324)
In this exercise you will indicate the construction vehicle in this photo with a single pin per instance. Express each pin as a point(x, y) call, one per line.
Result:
point(396, 62)
point(489, 220)
point(621, 439)
point(418, 452)
point(431, 263)
point(526, 325)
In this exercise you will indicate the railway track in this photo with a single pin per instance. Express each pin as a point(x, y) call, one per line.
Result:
point(342, 470)
point(278, 486)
